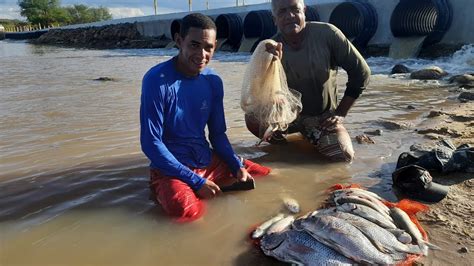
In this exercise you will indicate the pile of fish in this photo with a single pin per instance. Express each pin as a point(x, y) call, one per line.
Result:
point(356, 227)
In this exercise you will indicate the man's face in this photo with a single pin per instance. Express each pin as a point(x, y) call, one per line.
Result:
point(289, 16)
point(195, 50)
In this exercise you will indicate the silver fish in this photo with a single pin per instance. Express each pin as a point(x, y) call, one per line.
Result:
point(260, 230)
point(400, 234)
point(267, 134)
point(347, 239)
point(382, 239)
point(358, 200)
point(358, 190)
point(302, 249)
point(368, 213)
point(292, 205)
point(280, 225)
point(359, 193)
point(402, 220)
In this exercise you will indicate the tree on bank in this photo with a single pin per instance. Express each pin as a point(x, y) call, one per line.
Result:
point(44, 12)
point(49, 12)
point(78, 14)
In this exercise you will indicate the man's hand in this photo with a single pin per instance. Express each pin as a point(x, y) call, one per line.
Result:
point(242, 175)
point(331, 122)
point(208, 190)
point(276, 50)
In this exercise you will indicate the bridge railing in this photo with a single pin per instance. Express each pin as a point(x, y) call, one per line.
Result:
point(28, 28)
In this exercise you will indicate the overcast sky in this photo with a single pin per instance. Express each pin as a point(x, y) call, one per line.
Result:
point(131, 8)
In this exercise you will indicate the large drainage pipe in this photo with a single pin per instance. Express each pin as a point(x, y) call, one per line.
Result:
point(357, 20)
point(312, 14)
point(174, 29)
point(431, 18)
point(230, 30)
point(258, 25)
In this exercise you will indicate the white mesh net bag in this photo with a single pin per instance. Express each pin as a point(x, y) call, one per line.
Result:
point(265, 93)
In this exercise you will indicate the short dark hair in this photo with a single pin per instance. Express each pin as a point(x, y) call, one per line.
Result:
point(196, 20)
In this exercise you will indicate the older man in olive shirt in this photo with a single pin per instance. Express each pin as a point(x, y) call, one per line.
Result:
point(311, 53)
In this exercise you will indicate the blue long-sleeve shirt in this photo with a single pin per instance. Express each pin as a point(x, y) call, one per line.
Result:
point(174, 112)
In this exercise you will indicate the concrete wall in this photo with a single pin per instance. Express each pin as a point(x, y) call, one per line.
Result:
point(384, 9)
point(462, 26)
point(461, 30)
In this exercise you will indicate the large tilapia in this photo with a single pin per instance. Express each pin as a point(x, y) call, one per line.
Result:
point(400, 234)
point(347, 239)
point(368, 213)
point(300, 248)
point(382, 239)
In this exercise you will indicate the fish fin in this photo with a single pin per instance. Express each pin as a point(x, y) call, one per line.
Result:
point(380, 247)
point(432, 246)
point(424, 248)
point(411, 207)
point(396, 230)
point(414, 249)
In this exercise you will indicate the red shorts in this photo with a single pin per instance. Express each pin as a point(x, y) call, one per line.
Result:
point(180, 201)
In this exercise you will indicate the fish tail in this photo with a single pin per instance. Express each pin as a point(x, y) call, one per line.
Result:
point(413, 249)
point(432, 246)
point(424, 248)
point(411, 207)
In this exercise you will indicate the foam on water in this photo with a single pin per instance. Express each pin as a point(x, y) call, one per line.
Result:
point(462, 61)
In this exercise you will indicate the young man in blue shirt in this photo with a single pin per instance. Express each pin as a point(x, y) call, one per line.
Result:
point(179, 98)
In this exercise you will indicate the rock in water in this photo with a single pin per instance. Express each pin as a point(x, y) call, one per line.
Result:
point(433, 72)
point(400, 69)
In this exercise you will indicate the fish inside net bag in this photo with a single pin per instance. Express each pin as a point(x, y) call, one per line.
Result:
point(265, 93)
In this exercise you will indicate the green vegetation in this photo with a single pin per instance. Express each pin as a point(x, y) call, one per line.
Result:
point(13, 24)
point(7, 23)
point(83, 14)
point(50, 12)
point(44, 12)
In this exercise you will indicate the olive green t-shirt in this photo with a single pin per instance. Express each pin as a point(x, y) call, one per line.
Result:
point(312, 69)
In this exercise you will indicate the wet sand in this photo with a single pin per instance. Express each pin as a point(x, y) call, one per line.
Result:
point(450, 223)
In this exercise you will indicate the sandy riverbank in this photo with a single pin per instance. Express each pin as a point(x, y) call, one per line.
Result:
point(449, 223)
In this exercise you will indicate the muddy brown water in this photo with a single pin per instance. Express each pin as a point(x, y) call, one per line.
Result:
point(74, 182)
